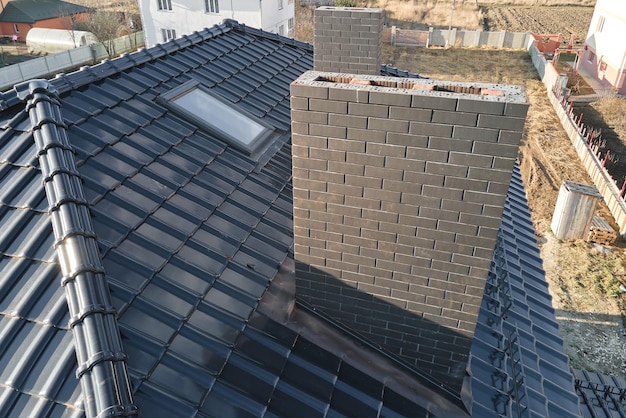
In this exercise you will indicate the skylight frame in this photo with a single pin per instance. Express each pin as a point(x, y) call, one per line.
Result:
point(251, 145)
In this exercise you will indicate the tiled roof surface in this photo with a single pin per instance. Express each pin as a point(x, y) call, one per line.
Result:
point(517, 359)
point(191, 232)
point(31, 11)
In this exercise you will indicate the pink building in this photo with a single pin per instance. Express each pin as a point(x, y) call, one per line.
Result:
point(604, 55)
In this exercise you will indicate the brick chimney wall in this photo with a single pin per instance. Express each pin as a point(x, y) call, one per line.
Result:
point(399, 186)
point(348, 39)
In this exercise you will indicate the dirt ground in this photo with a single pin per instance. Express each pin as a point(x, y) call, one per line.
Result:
point(584, 278)
point(566, 20)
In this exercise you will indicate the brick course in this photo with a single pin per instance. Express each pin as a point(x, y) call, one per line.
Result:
point(348, 40)
point(423, 185)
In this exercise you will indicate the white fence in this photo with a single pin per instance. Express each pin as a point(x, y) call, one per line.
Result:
point(580, 140)
point(455, 37)
point(52, 64)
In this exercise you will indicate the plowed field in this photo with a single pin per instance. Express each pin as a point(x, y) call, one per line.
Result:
point(542, 20)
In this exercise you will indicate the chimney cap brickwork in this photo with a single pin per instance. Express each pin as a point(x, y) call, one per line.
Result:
point(488, 92)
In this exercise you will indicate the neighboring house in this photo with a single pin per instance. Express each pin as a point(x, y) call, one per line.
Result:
point(604, 54)
point(19, 16)
point(147, 249)
point(166, 19)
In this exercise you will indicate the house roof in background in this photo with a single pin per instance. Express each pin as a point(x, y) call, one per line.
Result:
point(31, 11)
point(192, 232)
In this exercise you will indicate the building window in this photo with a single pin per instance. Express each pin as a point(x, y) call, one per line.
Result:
point(600, 24)
point(592, 56)
point(168, 34)
point(290, 23)
point(216, 115)
point(212, 6)
point(281, 30)
point(280, 4)
point(602, 66)
point(165, 4)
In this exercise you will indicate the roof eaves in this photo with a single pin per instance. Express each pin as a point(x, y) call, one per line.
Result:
point(93, 319)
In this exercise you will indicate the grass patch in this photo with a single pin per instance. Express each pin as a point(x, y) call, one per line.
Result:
point(414, 14)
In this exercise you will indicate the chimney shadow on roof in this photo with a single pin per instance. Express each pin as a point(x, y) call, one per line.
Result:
point(417, 346)
point(422, 343)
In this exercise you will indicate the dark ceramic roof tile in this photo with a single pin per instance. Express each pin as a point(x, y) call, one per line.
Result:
point(30, 290)
point(24, 233)
point(193, 210)
point(228, 299)
point(20, 188)
point(288, 398)
point(243, 279)
point(125, 273)
point(18, 149)
point(181, 274)
point(89, 144)
point(223, 400)
point(210, 262)
point(216, 324)
point(43, 350)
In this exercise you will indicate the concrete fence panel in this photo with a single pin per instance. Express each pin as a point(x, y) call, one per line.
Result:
point(52, 64)
point(455, 37)
point(58, 62)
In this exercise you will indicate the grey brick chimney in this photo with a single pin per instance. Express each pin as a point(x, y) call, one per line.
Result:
point(399, 186)
point(348, 39)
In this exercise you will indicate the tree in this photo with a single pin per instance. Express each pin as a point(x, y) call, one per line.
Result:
point(107, 24)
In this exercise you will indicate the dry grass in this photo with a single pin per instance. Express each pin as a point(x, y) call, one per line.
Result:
point(480, 65)
point(303, 30)
point(529, 3)
point(466, 14)
point(613, 111)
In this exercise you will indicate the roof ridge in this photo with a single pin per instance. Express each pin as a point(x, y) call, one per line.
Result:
point(93, 319)
point(234, 24)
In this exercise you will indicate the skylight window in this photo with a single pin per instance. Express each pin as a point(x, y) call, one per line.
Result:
point(214, 114)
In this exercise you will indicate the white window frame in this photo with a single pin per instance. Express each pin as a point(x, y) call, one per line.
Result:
point(168, 34)
point(291, 23)
point(212, 6)
point(280, 4)
point(164, 5)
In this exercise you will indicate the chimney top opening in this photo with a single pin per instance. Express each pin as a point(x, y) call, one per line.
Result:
point(410, 84)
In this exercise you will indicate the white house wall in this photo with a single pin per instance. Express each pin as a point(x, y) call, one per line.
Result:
point(605, 43)
point(273, 18)
point(188, 16)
